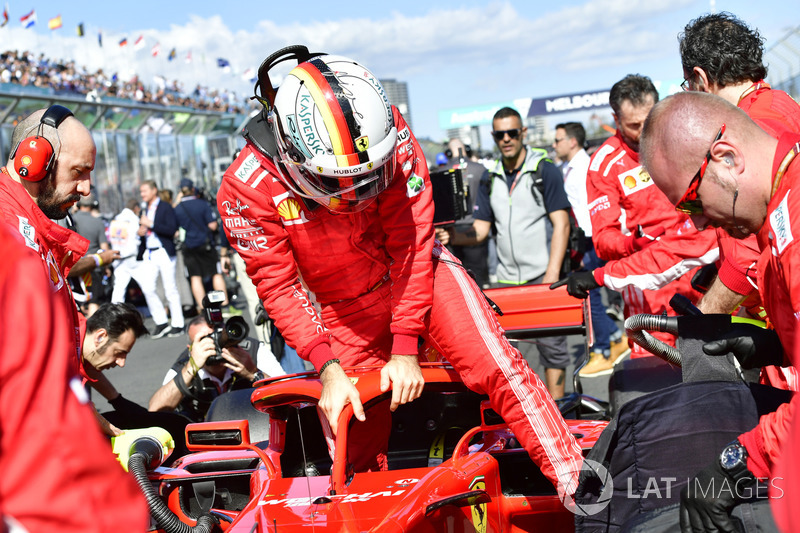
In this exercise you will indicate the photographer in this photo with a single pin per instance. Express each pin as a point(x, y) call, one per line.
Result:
point(204, 376)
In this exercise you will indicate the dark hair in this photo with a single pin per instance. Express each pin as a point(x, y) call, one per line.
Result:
point(506, 112)
point(633, 88)
point(574, 130)
point(724, 47)
point(116, 319)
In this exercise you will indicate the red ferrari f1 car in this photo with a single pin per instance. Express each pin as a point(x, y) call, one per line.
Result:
point(453, 464)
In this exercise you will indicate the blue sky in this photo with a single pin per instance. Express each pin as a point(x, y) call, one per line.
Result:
point(456, 54)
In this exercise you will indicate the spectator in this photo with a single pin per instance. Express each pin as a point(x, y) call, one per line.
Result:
point(92, 228)
point(511, 180)
point(695, 147)
point(367, 253)
point(53, 461)
point(65, 77)
point(650, 248)
point(197, 378)
point(200, 256)
point(610, 344)
point(474, 258)
point(157, 227)
point(123, 237)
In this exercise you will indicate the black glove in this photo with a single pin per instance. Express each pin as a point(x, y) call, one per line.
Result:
point(125, 406)
point(707, 500)
point(578, 284)
point(753, 346)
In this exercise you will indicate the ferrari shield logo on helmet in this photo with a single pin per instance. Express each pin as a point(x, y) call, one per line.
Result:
point(369, 165)
point(362, 143)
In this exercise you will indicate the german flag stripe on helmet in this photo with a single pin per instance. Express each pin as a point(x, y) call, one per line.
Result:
point(335, 108)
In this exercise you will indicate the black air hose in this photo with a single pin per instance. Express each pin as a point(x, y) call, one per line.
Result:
point(163, 515)
point(637, 327)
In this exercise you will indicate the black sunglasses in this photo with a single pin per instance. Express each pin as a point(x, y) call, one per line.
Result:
point(512, 134)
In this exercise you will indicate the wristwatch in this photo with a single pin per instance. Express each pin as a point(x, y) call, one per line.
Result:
point(733, 461)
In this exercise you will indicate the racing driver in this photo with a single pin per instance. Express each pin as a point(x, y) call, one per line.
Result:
point(335, 227)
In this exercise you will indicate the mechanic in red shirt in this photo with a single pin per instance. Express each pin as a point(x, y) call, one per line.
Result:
point(56, 472)
point(650, 249)
point(721, 55)
point(335, 227)
point(745, 181)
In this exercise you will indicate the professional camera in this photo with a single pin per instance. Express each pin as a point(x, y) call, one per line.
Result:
point(226, 333)
point(449, 196)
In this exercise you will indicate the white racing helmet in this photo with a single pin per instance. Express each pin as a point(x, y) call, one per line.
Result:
point(335, 133)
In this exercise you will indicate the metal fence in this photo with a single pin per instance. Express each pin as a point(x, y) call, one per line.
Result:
point(135, 142)
point(783, 60)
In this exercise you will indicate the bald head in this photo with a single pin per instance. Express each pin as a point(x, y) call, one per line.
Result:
point(70, 176)
point(684, 130)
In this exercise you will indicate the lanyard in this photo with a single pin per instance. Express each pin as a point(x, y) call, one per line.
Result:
point(784, 165)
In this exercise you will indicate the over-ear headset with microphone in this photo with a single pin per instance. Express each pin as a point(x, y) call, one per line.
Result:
point(34, 155)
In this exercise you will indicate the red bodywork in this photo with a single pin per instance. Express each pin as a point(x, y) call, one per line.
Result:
point(483, 482)
point(453, 464)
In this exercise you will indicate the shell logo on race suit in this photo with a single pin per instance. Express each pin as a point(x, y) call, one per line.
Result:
point(289, 209)
point(634, 180)
point(779, 222)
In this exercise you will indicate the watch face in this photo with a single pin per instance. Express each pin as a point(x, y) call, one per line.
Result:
point(731, 456)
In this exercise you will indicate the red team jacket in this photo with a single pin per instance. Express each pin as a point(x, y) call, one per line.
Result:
point(779, 282)
point(622, 196)
point(57, 472)
point(269, 226)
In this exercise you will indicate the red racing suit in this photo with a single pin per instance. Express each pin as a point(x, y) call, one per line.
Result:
point(363, 286)
point(59, 249)
point(57, 472)
point(621, 197)
point(777, 113)
point(779, 285)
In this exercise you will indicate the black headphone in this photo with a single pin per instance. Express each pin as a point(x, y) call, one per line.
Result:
point(264, 84)
point(34, 156)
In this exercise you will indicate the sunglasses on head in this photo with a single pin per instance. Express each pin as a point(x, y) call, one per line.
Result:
point(500, 135)
point(690, 201)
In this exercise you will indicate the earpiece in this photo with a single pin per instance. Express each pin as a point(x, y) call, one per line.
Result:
point(728, 160)
point(34, 156)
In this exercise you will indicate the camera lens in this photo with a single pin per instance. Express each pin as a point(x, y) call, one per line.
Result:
point(236, 329)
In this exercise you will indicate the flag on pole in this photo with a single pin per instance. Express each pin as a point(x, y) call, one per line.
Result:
point(224, 64)
point(123, 41)
point(172, 54)
point(189, 56)
point(29, 19)
point(54, 23)
point(80, 30)
point(5, 16)
point(100, 37)
point(155, 50)
point(138, 44)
